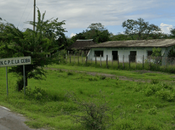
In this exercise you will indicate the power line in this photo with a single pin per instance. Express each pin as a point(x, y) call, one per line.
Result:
point(23, 12)
point(27, 17)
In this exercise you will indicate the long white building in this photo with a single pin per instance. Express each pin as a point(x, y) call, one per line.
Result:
point(137, 50)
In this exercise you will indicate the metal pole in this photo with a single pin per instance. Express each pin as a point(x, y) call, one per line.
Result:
point(7, 80)
point(24, 78)
point(34, 15)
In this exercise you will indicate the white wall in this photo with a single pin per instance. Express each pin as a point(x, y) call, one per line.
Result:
point(124, 52)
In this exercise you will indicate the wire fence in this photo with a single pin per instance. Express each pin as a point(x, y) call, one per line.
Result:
point(121, 62)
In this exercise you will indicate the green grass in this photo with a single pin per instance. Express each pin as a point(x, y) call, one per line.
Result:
point(134, 74)
point(135, 105)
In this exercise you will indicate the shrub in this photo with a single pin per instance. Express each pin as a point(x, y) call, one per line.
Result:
point(37, 93)
point(102, 77)
point(154, 81)
point(153, 111)
point(94, 115)
point(69, 73)
point(20, 82)
point(93, 79)
point(149, 92)
point(166, 95)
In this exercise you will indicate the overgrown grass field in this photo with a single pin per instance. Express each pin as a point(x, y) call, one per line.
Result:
point(58, 101)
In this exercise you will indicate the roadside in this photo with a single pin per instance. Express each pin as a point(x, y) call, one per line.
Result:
point(12, 121)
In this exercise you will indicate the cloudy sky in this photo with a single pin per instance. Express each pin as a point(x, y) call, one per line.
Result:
point(79, 14)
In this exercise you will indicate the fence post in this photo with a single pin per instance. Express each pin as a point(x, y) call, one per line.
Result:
point(82, 57)
point(91, 61)
point(106, 61)
point(100, 61)
point(123, 62)
point(86, 59)
point(166, 63)
point(78, 59)
point(95, 60)
point(129, 60)
point(150, 63)
point(70, 58)
point(118, 61)
point(74, 58)
point(112, 60)
point(136, 62)
point(143, 62)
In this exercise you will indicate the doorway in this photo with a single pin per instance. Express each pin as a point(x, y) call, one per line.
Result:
point(132, 56)
point(115, 55)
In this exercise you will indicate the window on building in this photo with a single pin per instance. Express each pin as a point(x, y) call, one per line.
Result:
point(98, 53)
point(149, 53)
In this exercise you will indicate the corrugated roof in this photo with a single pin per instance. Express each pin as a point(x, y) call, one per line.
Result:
point(84, 40)
point(82, 44)
point(136, 43)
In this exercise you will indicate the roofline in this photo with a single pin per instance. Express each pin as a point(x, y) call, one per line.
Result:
point(84, 40)
point(131, 46)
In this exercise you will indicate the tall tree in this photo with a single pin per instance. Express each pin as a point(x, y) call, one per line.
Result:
point(96, 26)
point(140, 28)
point(172, 32)
point(36, 44)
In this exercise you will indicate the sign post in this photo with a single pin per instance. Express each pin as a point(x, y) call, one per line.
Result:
point(7, 80)
point(15, 62)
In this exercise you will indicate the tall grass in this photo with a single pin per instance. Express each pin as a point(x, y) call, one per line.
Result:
point(81, 61)
point(134, 105)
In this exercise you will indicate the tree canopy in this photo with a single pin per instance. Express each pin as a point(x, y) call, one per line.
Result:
point(95, 31)
point(36, 44)
point(140, 28)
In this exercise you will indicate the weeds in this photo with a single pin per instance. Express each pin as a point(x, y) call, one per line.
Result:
point(94, 115)
point(154, 81)
point(153, 111)
point(69, 73)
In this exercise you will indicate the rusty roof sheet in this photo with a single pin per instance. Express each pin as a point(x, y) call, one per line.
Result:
point(136, 43)
point(82, 44)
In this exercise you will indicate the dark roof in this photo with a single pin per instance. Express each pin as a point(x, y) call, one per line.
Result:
point(136, 43)
point(82, 44)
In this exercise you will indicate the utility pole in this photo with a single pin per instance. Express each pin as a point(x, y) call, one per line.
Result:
point(34, 15)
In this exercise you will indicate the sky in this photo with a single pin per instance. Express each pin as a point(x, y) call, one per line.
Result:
point(79, 14)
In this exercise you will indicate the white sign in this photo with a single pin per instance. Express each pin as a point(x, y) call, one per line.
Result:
point(15, 61)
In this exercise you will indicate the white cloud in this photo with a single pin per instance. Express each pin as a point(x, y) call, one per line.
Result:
point(166, 28)
point(81, 13)
point(72, 34)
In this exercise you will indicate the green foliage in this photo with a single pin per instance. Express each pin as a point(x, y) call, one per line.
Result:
point(132, 109)
point(95, 31)
point(94, 115)
point(166, 95)
point(93, 79)
point(140, 28)
point(69, 73)
point(37, 44)
point(102, 77)
point(153, 111)
point(37, 94)
point(172, 32)
point(156, 52)
point(154, 81)
point(171, 53)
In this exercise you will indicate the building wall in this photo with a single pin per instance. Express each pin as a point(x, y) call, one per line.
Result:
point(125, 52)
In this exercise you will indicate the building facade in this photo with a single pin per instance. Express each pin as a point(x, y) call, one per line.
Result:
point(133, 50)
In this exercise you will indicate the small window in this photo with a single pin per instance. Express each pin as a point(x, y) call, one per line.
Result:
point(98, 53)
point(150, 53)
